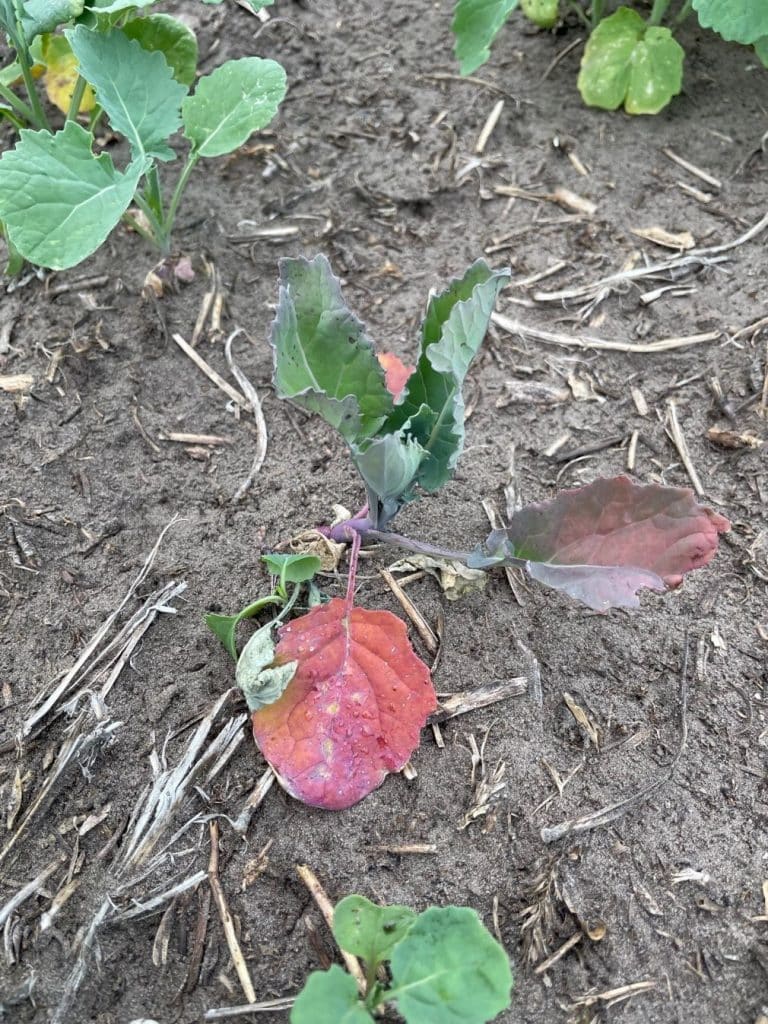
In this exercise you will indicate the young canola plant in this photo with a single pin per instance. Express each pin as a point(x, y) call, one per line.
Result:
point(113, 61)
point(340, 700)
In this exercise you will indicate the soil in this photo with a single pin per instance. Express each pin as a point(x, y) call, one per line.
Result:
point(373, 161)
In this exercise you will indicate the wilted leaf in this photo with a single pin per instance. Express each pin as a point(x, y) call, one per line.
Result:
point(175, 40)
point(329, 997)
point(353, 711)
point(626, 61)
point(238, 98)
point(370, 931)
point(323, 359)
point(476, 23)
point(136, 88)
point(602, 542)
point(61, 73)
point(448, 968)
point(453, 576)
point(58, 201)
point(396, 373)
point(261, 681)
point(739, 21)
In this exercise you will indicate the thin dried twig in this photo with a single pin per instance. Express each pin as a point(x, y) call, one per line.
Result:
point(269, 1006)
point(453, 704)
point(677, 437)
point(423, 628)
point(559, 953)
point(600, 344)
point(226, 918)
point(255, 402)
point(209, 372)
point(692, 168)
point(29, 889)
point(319, 895)
point(487, 129)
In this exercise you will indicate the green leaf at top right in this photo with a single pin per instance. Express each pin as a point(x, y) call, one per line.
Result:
point(627, 62)
point(738, 21)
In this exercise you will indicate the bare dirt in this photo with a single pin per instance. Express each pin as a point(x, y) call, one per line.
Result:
point(372, 161)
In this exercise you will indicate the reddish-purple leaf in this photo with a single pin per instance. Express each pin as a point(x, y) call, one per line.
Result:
point(396, 373)
point(353, 711)
point(601, 543)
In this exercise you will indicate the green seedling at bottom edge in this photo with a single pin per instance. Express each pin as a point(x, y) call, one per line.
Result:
point(294, 569)
point(444, 966)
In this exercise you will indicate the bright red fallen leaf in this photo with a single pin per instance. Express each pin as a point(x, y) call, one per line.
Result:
point(602, 542)
point(396, 373)
point(353, 711)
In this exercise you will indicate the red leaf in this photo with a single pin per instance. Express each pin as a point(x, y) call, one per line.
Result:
point(396, 373)
point(601, 543)
point(353, 711)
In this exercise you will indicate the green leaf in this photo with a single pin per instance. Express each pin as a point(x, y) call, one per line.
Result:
point(323, 360)
point(475, 25)
point(431, 410)
point(626, 62)
point(448, 969)
point(225, 626)
point(58, 200)
point(237, 99)
point(292, 568)
point(136, 88)
point(172, 38)
point(370, 931)
point(388, 465)
point(103, 15)
point(329, 997)
point(761, 49)
point(739, 21)
point(541, 12)
point(39, 16)
point(262, 682)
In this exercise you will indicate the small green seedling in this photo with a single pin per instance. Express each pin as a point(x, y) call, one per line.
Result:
point(444, 966)
point(294, 569)
point(629, 60)
point(104, 59)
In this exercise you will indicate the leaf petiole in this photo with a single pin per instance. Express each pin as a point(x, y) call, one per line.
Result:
point(77, 98)
point(17, 104)
point(38, 119)
point(178, 192)
point(658, 11)
point(683, 13)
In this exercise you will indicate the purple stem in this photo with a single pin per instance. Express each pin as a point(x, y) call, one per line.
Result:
point(361, 528)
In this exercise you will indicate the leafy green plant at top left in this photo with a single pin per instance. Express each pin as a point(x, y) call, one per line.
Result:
point(58, 200)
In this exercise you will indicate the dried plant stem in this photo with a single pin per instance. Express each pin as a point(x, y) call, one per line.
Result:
point(319, 895)
point(226, 918)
